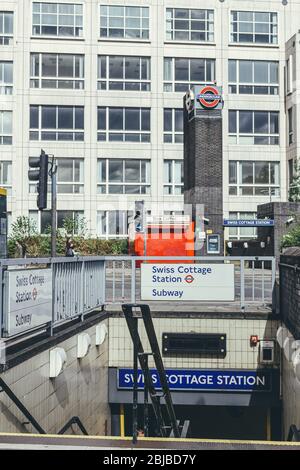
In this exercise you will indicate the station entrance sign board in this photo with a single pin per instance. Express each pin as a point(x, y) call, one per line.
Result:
point(27, 299)
point(184, 282)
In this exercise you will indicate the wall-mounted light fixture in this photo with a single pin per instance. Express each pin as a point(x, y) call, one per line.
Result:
point(58, 360)
point(83, 345)
point(101, 333)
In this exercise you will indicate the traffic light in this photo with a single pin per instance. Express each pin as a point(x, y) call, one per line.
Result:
point(40, 174)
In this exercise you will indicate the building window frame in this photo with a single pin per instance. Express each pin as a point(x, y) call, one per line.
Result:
point(43, 225)
point(239, 136)
point(105, 82)
point(6, 33)
point(248, 184)
point(241, 31)
point(184, 24)
point(6, 132)
point(242, 233)
point(173, 177)
point(56, 81)
point(6, 77)
point(134, 26)
point(56, 133)
point(250, 86)
point(173, 126)
point(58, 28)
point(108, 218)
point(171, 84)
point(120, 120)
point(6, 175)
point(123, 184)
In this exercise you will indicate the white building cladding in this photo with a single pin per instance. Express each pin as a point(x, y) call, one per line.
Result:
point(99, 84)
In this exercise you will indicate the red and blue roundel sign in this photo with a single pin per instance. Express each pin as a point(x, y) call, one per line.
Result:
point(209, 97)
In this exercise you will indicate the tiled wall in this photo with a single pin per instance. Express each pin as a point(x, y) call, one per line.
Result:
point(238, 331)
point(291, 397)
point(80, 390)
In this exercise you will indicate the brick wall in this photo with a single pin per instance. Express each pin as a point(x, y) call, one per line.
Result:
point(290, 290)
point(203, 167)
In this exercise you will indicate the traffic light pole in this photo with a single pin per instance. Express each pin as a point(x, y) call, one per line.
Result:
point(53, 171)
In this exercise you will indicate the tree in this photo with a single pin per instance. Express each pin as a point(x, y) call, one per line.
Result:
point(23, 230)
point(294, 191)
point(75, 226)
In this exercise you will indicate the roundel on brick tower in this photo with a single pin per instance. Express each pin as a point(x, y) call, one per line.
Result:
point(209, 97)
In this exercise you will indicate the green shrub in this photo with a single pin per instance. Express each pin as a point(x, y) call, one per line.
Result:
point(292, 238)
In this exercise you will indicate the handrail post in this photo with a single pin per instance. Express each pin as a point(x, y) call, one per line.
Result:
point(133, 279)
point(242, 274)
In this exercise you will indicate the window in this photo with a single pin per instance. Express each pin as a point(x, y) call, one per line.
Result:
point(57, 19)
point(291, 126)
point(124, 73)
point(122, 22)
point(254, 27)
point(5, 176)
point(289, 75)
point(56, 123)
point(6, 27)
point(173, 177)
point(57, 71)
point(43, 220)
point(181, 74)
point(128, 176)
point(124, 124)
point(291, 168)
point(253, 77)
point(239, 233)
point(5, 127)
point(113, 224)
point(189, 25)
point(254, 127)
point(249, 178)
point(6, 78)
point(70, 177)
point(173, 126)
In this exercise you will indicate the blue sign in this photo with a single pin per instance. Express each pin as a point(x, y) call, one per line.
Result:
point(202, 380)
point(249, 223)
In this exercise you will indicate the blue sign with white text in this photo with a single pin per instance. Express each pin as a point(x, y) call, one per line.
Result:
point(202, 380)
point(249, 223)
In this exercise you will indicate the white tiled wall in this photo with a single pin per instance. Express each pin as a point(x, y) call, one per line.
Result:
point(239, 353)
point(80, 390)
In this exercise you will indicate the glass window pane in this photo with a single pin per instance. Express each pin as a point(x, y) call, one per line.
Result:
point(34, 117)
point(102, 118)
point(116, 69)
point(261, 172)
point(181, 69)
point(65, 65)
point(245, 67)
point(178, 120)
point(132, 171)
point(246, 172)
point(145, 120)
point(132, 68)
point(65, 117)
point(232, 172)
point(116, 118)
point(197, 70)
point(168, 69)
point(261, 72)
point(232, 71)
point(261, 120)
point(245, 122)
point(232, 122)
point(168, 120)
point(65, 170)
point(48, 117)
point(49, 65)
point(115, 172)
point(132, 119)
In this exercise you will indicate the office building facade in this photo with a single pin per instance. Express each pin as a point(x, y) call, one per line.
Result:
point(99, 85)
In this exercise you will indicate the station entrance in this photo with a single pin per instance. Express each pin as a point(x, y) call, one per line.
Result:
point(218, 422)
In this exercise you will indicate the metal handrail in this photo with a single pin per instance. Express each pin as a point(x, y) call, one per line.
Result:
point(21, 407)
point(74, 420)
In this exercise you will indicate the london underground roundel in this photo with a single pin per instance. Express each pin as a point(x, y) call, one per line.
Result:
point(209, 97)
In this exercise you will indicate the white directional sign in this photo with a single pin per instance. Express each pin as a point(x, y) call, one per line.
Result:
point(28, 299)
point(206, 282)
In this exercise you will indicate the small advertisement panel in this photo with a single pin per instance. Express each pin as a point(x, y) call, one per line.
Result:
point(181, 282)
point(28, 299)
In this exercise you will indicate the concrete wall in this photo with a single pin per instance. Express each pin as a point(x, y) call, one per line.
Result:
point(291, 397)
point(80, 390)
point(239, 353)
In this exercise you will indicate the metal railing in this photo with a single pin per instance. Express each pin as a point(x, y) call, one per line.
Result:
point(254, 277)
point(82, 284)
